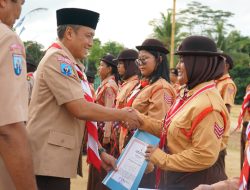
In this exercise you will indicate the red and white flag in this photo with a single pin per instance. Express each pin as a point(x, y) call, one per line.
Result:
point(244, 108)
point(245, 168)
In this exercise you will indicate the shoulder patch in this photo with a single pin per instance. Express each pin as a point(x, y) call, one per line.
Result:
point(17, 63)
point(218, 130)
point(66, 69)
point(168, 99)
point(14, 47)
point(64, 60)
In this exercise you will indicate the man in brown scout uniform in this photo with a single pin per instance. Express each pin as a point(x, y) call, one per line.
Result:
point(14, 146)
point(58, 107)
point(226, 85)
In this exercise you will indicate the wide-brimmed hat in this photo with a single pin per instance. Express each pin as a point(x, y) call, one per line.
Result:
point(229, 60)
point(197, 45)
point(127, 54)
point(153, 45)
point(77, 16)
point(109, 59)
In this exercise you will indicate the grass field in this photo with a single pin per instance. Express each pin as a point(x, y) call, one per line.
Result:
point(232, 158)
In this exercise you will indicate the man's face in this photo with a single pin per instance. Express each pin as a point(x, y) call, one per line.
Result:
point(12, 8)
point(81, 42)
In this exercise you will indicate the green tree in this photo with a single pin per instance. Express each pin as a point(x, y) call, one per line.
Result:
point(241, 76)
point(34, 51)
point(162, 29)
point(201, 19)
point(112, 47)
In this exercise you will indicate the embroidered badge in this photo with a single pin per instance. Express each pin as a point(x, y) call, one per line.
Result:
point(14, 47)
point(168, 99)
point(66, 69)
point(218, 130)
point(64, 60)
point(17, 63)
point(230, 91)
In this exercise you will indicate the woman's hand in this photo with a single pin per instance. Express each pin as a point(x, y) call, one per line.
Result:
point(149, 152)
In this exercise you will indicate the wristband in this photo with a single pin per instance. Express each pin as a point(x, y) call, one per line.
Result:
point(101, 150)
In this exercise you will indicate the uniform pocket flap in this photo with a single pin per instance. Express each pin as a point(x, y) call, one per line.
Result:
point(61, 139)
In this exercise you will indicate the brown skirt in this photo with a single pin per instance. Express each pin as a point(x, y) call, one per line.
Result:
point(190, 180)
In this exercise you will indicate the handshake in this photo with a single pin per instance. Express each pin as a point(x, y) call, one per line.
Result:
point(131, 119)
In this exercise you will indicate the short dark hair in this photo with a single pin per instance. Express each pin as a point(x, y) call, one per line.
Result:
point(131, 68)
point(62, 28)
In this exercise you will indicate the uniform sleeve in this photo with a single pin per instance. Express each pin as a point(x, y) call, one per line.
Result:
point(109, 101)
point(159, 103)
point(14, 89)
point(151, 125)
point(62, 81)
point(229, 94)
point(206, 141)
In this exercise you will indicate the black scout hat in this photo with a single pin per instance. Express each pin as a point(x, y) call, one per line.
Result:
point(198, 45)
point(109, 59)
point(76, 16)
point(153, 45)
point(127, 54)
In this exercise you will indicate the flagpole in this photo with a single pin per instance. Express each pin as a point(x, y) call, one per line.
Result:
point(172, 36)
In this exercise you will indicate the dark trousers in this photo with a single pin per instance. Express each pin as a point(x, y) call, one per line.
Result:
point(52, 183)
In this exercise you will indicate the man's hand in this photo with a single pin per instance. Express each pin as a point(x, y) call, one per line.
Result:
point(131, 119)
point(149, 152)
point(108, 162)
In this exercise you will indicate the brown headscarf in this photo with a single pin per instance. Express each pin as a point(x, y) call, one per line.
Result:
point(202, 68)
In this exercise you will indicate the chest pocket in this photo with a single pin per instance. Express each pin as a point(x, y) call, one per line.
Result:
point(61, 139)
point(178, 126)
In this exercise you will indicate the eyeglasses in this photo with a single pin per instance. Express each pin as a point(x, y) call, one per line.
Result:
point(141, 61)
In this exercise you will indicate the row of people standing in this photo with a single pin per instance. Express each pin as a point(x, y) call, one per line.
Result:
point(144, 86)
point(60, 104)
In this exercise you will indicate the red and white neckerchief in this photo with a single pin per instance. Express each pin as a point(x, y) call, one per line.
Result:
point(244, 176)
point(179, 104)
point(93, 156)
point(243, 108)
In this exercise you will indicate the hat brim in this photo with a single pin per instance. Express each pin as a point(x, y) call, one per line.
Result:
point(109, 62)
point(129, 58)
point(208, 53)
point(153, 48)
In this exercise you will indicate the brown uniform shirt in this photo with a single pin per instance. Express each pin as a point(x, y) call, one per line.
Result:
point(154, 101)
point(14, 90)
point(201, 150)
point(105, 96)
point(55, 135)
point(227, 89)
point(125, 90)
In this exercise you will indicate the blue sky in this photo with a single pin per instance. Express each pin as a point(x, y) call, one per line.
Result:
point(124, 21)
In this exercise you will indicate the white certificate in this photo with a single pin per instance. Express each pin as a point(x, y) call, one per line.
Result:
point(130, 165)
